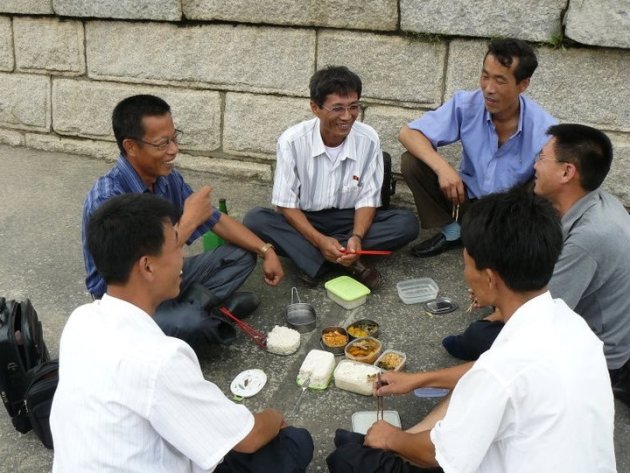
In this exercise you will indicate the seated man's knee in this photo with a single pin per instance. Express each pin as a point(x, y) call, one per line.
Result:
point(255, 218)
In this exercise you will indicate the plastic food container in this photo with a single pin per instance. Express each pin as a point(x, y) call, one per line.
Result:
point(364, 349)
point(317, 368)
point(363, 420)
point(355, 377)
point(347, 292)
point(391, 360)
point(334, 340)
point(363, 328)
point(413, 291)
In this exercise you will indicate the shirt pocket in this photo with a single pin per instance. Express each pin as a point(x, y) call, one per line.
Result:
point(349, 195)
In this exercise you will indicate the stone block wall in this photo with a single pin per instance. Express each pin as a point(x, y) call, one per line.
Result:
point(236, 73)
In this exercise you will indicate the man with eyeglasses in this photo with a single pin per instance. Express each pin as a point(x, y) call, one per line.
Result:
point(327, 188)
point(592, 274)
point(148, 143)
point(500, 130)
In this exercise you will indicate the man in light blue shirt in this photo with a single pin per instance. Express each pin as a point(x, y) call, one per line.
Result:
point(501, 132)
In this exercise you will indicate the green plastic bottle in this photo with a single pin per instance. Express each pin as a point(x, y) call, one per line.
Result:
point(211, 240)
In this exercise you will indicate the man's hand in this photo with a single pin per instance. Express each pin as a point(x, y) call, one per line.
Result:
point(272, 269)
point(197, 210)
point(349, 257)
point(378, 435)
point(451, 184)
point(330, 249)
point(394, 382)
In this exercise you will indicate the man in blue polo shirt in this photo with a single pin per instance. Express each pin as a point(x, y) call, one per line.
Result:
point(501, 132)
point(149, 143)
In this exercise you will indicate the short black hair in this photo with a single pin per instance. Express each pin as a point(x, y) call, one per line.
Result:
point(515, 233)
point(333, 80)
point(128, 114)
point(589, 149)
point(506, 49)
point(124, 229)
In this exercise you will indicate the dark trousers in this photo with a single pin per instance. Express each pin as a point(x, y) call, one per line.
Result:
point(290, 452)
point(480, 335)
point(390, 230)
point(221, 272)
point(434, 209)
point(350, 456)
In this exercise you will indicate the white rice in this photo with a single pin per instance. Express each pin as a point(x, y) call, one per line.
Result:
point(283, 340)
point(318, 366)
point(355, 377)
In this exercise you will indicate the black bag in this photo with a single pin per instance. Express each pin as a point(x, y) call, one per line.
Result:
point(389, 183)
point(42, 384)
point(22, 348)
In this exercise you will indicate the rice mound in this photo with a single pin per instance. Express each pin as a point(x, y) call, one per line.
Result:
point(318, 367)
point(283, 340)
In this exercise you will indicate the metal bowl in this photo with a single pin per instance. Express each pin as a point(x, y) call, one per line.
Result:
point(301, 317)
point(367, 327)
point(370, 356)
point(338, 349)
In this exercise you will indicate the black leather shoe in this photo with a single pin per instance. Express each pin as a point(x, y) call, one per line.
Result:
point(241, 304)
point(435, 245)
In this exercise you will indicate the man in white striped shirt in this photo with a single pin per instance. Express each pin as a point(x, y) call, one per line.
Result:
point(133, 399)
point(327, 187)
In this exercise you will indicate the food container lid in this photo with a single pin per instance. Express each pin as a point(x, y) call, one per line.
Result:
point(441, 305)
point(430, 392)
point(346, 288)
point(248, 383)
point(413, 291)
point(363, 420)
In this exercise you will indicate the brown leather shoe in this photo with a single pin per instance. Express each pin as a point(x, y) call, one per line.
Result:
point(366, 275)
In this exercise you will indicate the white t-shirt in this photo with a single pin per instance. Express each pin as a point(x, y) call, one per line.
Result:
point(132, 399)
point(307, 178)
point(538, 401)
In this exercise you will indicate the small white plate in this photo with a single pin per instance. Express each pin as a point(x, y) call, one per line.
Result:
point(363, 420)
point(248, 383)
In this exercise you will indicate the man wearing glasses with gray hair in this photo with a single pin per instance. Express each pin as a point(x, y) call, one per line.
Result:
point(149, 143)
point(327, 187)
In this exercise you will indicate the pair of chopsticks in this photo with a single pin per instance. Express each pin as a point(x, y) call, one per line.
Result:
point(379, 400)
point(258, 337)
point(367, 252)
point(455, 212)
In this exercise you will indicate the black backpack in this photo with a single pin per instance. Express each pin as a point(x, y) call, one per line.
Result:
point(22, 349)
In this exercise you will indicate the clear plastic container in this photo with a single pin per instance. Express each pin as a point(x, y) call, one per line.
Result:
point(413, 291)
point(347, 292)
point(363, 420)
point(387, 357)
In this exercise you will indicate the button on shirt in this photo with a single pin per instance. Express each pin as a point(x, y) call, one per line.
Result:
point(123, 179)
point(538, 401)
point(485, 167)
point(307, 178)
point(132, 399)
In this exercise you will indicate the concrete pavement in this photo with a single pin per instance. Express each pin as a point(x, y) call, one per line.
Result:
point(40, 239)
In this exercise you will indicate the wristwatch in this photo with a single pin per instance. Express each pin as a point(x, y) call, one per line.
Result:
point(263, 249)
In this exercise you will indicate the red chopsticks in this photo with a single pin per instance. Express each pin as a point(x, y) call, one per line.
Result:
point(259, 338)
point(367, 252)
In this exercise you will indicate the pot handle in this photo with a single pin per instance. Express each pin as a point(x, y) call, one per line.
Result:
point(297, 296)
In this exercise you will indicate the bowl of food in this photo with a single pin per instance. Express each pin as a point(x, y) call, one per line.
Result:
point(364, 350)
point(391, 360)
point(334, 340)
point(363, 328)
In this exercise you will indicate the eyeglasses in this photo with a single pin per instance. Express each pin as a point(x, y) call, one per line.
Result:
point(166, 142)
point(353, 109)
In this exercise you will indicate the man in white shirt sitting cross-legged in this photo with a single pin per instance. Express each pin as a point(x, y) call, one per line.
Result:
point(131, 398)
point(327, 188)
